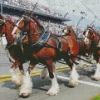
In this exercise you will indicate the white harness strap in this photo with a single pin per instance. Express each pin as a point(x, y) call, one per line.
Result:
point(15, 28)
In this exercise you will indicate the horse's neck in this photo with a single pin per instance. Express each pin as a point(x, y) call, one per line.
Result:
point(8, 32)
point(83, 48)
point(96, 38)
point(81, 45)
point(35, 33)
point(73, 34)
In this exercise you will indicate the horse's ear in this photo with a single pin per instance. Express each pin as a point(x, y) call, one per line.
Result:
point(71, 26)
point(27, 14)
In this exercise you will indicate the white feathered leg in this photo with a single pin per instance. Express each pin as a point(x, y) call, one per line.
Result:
point(17, 80)
point(54, 90)
point(74, 77)
point(26, 87)
point(44, 73)
point(96, 75)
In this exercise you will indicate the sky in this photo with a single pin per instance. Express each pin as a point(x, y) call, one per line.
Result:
point(74, 7)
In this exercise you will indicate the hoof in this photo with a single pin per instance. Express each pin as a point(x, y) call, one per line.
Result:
point(18, 84)
point(93, 61)
point(73, 83)
point(95, 78)
point(24, 95)
point(53, 91)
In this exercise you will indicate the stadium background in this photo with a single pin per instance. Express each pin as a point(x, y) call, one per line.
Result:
point(55, 14)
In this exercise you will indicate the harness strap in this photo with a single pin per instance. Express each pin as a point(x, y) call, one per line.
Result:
point(41, 41)
point(59, 43)
point(66, 38)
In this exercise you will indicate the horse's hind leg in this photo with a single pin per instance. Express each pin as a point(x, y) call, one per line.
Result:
point(73, 75)
point(44, 73)
point(96, 75)
point(54, 90)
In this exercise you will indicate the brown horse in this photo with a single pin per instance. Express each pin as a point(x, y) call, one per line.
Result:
point(92, 38)
point(69, 31)
point(16, 54)
point(46, 49)
point(83, 48)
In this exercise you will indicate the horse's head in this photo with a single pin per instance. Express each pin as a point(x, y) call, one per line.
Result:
point(21, 25)
point(2, 25)
point(6, 25)
point(70, 31)
point(27, 26)
point(89, 35)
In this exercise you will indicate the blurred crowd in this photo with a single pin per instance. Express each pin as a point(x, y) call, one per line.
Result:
point(40, 8)
point(26, 4)
point(19, 3)
point(52, 27)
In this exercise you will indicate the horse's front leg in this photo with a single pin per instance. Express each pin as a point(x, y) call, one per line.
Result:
point(26, 87)
point(54, 90)
point(17, 80)
point(73, 75)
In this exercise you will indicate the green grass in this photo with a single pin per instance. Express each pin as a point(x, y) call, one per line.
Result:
point(96, 97)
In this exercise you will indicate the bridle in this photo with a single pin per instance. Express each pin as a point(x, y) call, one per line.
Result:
point(91, 38)
point(86, 38)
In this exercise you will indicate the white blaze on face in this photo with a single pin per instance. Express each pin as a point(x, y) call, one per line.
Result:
point(15, 28)
point(65, 31)
point(86, 39)
point(86, 33)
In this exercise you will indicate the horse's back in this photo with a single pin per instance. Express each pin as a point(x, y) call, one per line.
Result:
point(68, 44)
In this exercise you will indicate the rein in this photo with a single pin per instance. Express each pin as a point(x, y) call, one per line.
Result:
point(29, 18)
point(6, 52)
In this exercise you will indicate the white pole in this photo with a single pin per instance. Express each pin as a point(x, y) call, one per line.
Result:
point(1, 6)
